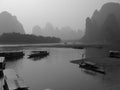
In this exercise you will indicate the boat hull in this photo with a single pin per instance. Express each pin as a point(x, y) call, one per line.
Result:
point(95, 69)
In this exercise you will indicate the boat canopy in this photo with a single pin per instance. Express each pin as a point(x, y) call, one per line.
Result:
point(111, 51)
point(91, 63)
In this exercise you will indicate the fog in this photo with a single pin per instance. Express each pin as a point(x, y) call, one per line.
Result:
point(58, 12)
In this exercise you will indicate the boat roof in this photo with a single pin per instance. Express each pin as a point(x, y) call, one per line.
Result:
point(114, 51)
point(11, 51)
point(2, 59)
point(13, 80)
point(91, 63)
point(10, 74)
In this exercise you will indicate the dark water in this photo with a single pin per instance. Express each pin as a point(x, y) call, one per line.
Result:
point(55, 72)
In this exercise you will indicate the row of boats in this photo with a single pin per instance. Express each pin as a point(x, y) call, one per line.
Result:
point(9, 78)
point(14, 55)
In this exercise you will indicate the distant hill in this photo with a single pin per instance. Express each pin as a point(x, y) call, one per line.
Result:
point(9, 24)
point(104, 25)
point(65, 33)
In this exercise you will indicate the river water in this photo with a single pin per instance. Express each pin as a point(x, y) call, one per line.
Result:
point(55, 72)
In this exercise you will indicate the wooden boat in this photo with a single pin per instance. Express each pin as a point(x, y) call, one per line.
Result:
point(13, 81)
point(13, 55)
point(91, 66)
point(114, 54)
point(38, 54)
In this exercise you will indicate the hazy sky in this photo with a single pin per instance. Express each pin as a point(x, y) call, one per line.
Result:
point(59, 12)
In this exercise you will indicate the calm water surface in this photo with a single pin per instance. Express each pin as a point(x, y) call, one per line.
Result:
point(55, 72)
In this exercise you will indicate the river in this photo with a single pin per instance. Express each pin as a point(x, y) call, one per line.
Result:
point(55, 72)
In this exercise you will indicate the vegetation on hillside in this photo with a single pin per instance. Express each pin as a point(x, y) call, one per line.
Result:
point(17, 38)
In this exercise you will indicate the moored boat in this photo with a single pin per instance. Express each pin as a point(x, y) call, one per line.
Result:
point(91, 66)
point(13, 55)
point(114, 54)
point(38, 54)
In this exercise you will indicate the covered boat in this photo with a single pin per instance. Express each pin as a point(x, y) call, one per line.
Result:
point(13, 81)
point(12, 55)
point(91, 66)
point(114, 54)
point(38, 54)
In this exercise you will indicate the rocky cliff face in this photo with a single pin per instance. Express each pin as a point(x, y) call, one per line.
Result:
point(104, 25)
point(9, 24)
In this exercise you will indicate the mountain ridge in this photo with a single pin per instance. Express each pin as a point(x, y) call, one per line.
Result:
point(10, 24)
point(100, 25)
point(65, 33)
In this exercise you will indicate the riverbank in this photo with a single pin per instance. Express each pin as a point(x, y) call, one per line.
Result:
point(56, 45)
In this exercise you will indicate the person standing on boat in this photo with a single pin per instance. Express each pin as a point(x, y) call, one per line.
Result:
point(83, 56)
